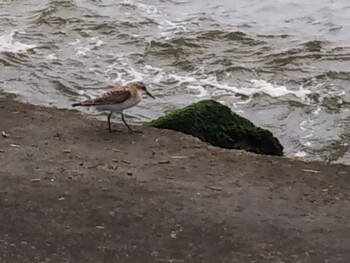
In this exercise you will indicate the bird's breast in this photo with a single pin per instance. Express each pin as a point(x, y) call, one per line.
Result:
point(117, 107)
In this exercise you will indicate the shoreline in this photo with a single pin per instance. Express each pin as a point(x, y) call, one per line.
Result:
point(72, 192)
point(96, 115)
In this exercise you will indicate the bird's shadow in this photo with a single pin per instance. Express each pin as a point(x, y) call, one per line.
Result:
point(100, 132)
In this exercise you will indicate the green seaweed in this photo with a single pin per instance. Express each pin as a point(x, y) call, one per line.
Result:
point(216, 124)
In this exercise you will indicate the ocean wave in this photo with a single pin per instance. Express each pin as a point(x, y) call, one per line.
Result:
point(9, 44)
point(222, 35)
point(84, 46)
point(202, 86)
point(312, 51)
point(335, 75)
point(52, 13)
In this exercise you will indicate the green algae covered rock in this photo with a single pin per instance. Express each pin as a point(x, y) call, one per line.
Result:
point(216, 124)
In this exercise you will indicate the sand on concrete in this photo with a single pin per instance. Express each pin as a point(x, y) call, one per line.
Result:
point(72, 192)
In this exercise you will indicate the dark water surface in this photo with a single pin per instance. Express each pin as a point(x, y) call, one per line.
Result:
point(282, 64)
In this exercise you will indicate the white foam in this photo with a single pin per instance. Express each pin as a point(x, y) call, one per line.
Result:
point(119, 78)
point(51, 57)
point(99, 43)
point(166, 27)
point(211, 81)
point(317, 111)
point(148, 8)
point(200, 84)
point(307, 144)
point(82, 51)
point(182, 79)
point(278, 91)
point(137, 76)
point(92, 43)
point(300, 154)
point(145, 8)
point(308, 135)
point(258, 87)
point(127, 3)
point(159, 77)
point(301, 125)
point(125, 72)
point(8, 44)
point(242, 102)
point(151, 68)
point(201, 91)
point(169, 28)
point(76, 42)
point(307, 125)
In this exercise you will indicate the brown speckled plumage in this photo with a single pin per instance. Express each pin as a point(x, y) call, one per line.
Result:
point(118, 99)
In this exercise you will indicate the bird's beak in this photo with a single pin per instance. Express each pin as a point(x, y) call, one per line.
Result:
point(149, 94)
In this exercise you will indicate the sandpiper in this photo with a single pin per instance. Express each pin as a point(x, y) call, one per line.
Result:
point(117, 100)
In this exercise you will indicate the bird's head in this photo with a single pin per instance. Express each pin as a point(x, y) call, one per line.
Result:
point(142, 87)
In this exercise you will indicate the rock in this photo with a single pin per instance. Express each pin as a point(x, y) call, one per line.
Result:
point(216, 124)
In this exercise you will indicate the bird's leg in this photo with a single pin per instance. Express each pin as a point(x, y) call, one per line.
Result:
point(109, 123)
point(125, 122)
point(131, 130)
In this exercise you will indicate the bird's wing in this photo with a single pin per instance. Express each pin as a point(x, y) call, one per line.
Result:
point(111, 97)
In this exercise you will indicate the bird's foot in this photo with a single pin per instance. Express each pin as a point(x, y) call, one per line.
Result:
point(135, 131)
point(114, 130)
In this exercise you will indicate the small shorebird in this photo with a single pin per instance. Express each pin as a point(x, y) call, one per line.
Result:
point(118, 99)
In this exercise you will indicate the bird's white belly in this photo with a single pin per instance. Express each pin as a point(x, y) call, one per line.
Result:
point(118, 107)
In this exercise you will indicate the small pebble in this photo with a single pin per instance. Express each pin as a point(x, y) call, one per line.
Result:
point(164, 162)
point(113, 167)
point(116, 150)
point(5, 134)
point(35, 180)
